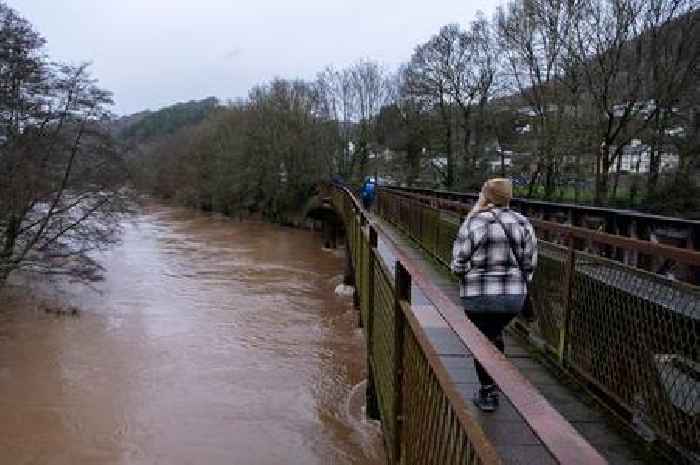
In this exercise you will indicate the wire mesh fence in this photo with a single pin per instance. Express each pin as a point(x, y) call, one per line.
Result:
point(637, 336)
point(549, 296)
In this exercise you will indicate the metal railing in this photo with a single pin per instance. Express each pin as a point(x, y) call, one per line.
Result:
point(423, 415)
point(634, 335)
point(679, 233)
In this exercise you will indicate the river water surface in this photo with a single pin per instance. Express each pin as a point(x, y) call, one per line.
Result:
point(209, 342)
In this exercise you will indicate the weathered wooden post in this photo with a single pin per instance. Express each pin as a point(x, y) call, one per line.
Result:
point(632, 256)
point(402, 293)
point(372, 409)
point(356, 259)
point(569, 276)
point(361, 267)
point(349, 275)
point(694, 244)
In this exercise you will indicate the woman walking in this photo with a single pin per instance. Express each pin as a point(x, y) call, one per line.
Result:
point(494, 255)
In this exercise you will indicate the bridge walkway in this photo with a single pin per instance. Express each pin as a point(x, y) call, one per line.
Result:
point(512, 436)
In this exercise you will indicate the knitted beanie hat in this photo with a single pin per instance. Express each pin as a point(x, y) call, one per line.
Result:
point(498, 191)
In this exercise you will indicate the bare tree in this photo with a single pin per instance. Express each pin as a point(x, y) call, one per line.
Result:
point(406, 127)
point(634, 69)
point(372, 90)
point(533, 37)
point(428, 81)
point(471, 75)
point(671, 42)
point(61, 174)
point(336, 101)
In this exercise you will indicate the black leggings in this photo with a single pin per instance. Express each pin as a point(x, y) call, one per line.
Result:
point(492, 326)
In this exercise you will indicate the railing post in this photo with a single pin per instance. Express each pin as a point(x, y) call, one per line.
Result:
point(421, 209)
point(361, 270)
point(357, 258)
point(569, 276)
point(633, 256)
point(402, 293)
point(371, 392)
point(437, 234)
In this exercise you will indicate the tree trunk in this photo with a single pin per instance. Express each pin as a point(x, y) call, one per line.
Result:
point(450, 179)
point(447, 121)
point(413, 155)
point(632, 198)
point(479, 132)
point(469, 157)
point(8, 248)
point(602, 166)
point(653, 180)
point(601, 194)
point(533, 180)
point(577, 171)
point(616, 177)
point(549, 180)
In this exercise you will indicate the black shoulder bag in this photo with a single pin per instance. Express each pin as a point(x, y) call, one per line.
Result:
point(527, 311)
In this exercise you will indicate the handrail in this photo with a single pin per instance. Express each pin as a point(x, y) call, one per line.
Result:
point(557, 435)
point(685, 256)
point(547, 204)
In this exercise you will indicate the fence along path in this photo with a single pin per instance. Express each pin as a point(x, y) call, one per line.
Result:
point(632, 335)
point(631, 237)
point(418, 343)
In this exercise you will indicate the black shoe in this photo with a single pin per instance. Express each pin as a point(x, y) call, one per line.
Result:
point(486, 399)
point(493, 395)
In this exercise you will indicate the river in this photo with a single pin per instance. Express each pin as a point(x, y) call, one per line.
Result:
point(210, 341)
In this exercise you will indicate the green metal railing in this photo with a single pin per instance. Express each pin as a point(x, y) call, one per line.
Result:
point(634, 335)
point(423, 414)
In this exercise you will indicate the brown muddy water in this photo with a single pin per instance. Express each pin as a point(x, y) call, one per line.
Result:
point(210, 342)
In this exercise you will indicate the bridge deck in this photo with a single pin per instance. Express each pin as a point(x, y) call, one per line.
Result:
point(511, 435)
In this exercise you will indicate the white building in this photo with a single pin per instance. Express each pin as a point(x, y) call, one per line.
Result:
point(495, 165)
point(636, 156)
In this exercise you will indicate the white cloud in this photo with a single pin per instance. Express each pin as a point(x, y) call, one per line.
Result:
point(156, 52)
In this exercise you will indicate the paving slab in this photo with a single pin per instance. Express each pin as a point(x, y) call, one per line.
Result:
point(526, 455)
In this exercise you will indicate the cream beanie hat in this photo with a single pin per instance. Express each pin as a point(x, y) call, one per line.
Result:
point(498, 191)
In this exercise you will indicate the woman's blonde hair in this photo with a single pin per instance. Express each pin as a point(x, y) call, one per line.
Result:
point(496, 192)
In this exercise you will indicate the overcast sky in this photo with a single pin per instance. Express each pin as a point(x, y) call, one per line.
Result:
point(153, 53)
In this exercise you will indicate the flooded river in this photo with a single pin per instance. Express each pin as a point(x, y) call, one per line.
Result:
point(210, 342)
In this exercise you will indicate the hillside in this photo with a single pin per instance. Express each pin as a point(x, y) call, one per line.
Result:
point(148, 124)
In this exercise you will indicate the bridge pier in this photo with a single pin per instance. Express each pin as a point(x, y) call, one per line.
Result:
point(329, 233)
point(349, 273)
point(371, 399)
point(321, 209)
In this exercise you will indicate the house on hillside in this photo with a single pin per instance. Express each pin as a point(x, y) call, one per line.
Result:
point(636, 158)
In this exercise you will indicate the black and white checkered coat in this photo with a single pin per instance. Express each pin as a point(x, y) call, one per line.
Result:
point(482, 255)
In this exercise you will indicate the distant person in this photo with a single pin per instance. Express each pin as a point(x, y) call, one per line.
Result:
point(495, 255)
point(368, 192)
